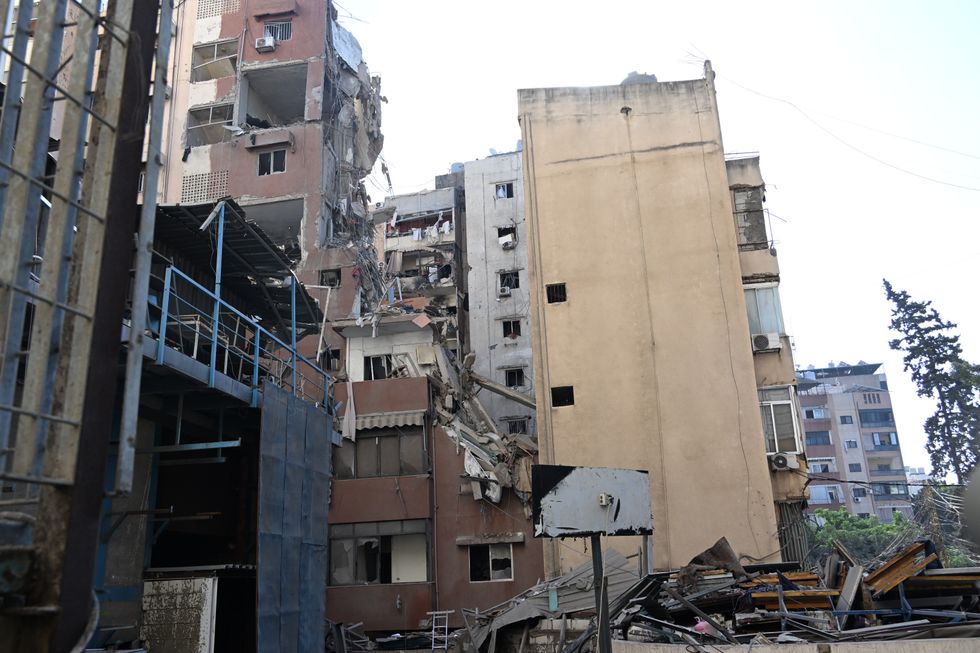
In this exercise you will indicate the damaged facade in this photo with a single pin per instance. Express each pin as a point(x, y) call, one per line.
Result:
point(854, 455)
point(430, 500)
point(273, 104)
point(674, 391)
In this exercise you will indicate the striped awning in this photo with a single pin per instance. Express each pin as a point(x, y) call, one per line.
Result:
point(391, 419)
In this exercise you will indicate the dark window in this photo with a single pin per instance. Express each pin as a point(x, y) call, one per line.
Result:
point(330, 278)
point(854, 467)
point(377, 367)
point(556, 293)
point(877, 417)
point(884, 468)
point(517, 426)
point(846, 419)
point(510, 280)
point(503, 232)
point(864, 515)
point(512, 328)
point(333, 359)
point(817, 437)
point(883, 384)
point(860, 492)
point(563, 395)
point(272, 162)
point(503, 191)
point(490, 562)
point(514, 377)
point(382, 452)
point(851, 444)
point(808, 413)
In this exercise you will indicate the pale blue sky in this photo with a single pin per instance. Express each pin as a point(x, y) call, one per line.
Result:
point(451, 69)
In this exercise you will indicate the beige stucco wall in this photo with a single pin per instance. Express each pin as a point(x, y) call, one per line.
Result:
point(628, 204)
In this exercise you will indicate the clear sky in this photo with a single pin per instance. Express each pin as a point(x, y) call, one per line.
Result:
point(451, 69)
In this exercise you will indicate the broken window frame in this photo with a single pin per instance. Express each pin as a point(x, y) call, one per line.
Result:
point(269, 157)
point(345, 543)
point(280, 30)
point(517, 425)
point(503, 190)
point(511, 328)
point(769, 398)
point(482, 558)
point(383, 363)
point(209, 126)
point(509, 279)
point(763, 308)
point(222, 52)
point(556, 293)
point(373, 452)
point(330, 277)
point(517, 375)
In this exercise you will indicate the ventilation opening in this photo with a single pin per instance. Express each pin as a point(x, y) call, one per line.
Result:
point(556, 293)
point(562, 396)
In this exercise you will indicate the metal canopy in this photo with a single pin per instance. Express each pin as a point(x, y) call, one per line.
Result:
point(255, 268)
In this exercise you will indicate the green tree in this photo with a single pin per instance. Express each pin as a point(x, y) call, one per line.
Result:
point(865, 537)
point(933, 357)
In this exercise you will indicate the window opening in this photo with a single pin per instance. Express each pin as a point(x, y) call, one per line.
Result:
point(377, 367)
point(510, 279)
point(206, 125)
point(214, 60)
point(764, 311)
point(846, 419)
point(272, 162)
point(491, 562)
point(517, 426)
point(514, 377)
point(556, 293)
point(280, 30)
point(563, 395)
point(503, 191)
point(851, 444)
point(377, 553)
point(779, 421)
point(854, 467)
point(330, 278)
point(860, 492)
point(817, 438)
point(512, 328)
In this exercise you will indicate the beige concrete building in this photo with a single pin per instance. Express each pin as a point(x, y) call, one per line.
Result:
point(643, 353)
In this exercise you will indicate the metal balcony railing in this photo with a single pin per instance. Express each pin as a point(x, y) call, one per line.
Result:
point(191, 319)
point(885, 447)
point(888, 472)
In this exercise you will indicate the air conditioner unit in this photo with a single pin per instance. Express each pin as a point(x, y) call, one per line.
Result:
point(503, 291)
point(784, 461)
point(509, 244)
point(766, 342)
point(265, 44)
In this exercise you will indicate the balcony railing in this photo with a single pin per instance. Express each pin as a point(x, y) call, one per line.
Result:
point(885, 447)
point(191, 319)
point(888, 472)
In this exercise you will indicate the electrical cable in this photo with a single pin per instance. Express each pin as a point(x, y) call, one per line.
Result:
point(854, 147)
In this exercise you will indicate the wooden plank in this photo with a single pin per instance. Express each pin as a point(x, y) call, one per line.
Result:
point(898, 559)
point(899, 574)
point(848, 593)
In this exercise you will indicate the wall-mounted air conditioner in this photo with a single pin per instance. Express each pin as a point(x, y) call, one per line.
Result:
point(265, 44)
point(510, 244)
point(766, 342)
point(503, 291)
point(783, 461)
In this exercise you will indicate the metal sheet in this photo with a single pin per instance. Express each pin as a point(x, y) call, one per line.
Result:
point(294, 473)
point(581, 501)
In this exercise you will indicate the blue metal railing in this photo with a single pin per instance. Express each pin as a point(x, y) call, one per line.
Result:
point(228, 341)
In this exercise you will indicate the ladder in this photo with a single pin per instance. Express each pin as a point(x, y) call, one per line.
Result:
point(440, 629)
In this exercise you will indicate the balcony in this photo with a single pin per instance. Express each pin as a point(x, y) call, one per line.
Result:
point(888, 472)
point(409, 241)
point(884, 447)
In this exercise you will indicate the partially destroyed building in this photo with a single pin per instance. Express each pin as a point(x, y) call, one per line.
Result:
point(650, 288)
point(498, 298)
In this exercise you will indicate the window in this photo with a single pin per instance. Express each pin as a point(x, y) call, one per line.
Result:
point(556, 293)
point(510, 279)
point(879, 417)
point(377, 367)
point(272, 162)
point(142, 180)
point(817, 438)
point(846, 419)
point(512, 328)
point(382, 452)
point(860, 492)
point(854, 467)
point(851, 444)
point(885, 439)
point(864, 515)
point(514, 377)
point(517, 425)
point(825, 494)
point(563, 395)
point(330, 278)
point(883, 384)
point(889, 489)
point(491, 562)
point(872, 398)
point(505, 232)
point(815, 413)
point(333, 359)
point(280, 30)
point(822, 465)
point(503, 191)
point(779, 423)
point(379, 553)
point(206, 125)
point(765, 313)
point(214, 60)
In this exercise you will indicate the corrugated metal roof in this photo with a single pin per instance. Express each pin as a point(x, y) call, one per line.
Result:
point(253, 266)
